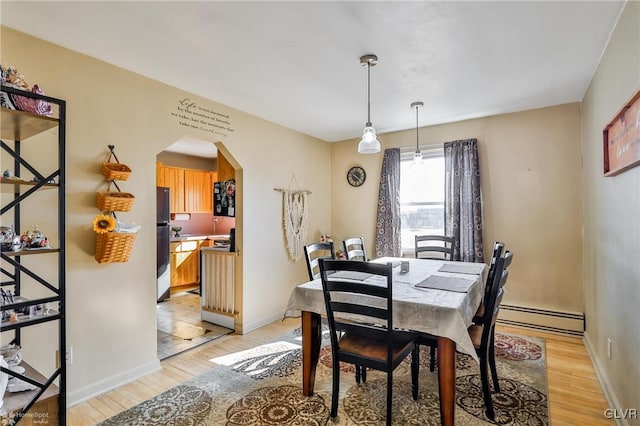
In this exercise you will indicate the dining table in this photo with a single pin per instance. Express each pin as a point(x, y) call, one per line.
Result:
point(435, 297)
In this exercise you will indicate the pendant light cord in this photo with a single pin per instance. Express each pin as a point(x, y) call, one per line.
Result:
point(417, 145)
point(369, 93)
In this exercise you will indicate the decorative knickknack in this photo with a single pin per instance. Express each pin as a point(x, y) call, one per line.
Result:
point(10, 77)
point(114, 239)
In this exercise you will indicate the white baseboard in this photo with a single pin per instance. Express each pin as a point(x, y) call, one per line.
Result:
point(607, 389)
point(112, 382)
point(246, 328)
point(567, 323)
point(219, 319)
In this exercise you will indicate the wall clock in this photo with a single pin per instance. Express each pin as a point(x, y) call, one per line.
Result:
point(356, 176)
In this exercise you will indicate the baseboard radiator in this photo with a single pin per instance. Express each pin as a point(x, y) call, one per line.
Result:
point(218, 278)
point(559, 322)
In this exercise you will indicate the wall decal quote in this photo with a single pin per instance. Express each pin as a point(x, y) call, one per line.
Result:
point(189, 114)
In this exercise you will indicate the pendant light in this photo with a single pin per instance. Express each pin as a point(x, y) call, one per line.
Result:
point(369, 143)
point(417, 156)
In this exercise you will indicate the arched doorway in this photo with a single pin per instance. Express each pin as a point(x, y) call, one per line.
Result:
point(187, 170)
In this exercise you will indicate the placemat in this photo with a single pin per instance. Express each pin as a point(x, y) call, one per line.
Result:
point(351, 275)
point(462, 268)
point(437, 282)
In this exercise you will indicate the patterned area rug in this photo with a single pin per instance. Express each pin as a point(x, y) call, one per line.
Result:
point(263, 386)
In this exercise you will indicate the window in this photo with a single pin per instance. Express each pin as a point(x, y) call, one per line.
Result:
point(421, 197)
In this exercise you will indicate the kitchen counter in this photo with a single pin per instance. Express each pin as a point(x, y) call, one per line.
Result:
point(194, 237)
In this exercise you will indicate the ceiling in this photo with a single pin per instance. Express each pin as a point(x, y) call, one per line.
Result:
point(297, 63)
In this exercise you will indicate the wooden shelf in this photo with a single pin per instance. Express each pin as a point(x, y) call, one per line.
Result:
point(14, 401)
point(20, 125)
point(16, 186)
point(23, 319)
point(30, 252)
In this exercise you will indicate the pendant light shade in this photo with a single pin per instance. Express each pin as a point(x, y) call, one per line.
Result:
point(417, 156)
point(369, 143)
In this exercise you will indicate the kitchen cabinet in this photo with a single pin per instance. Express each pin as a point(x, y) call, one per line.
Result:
point(172, 178)
point(207, 196)
point(198, 191)
point(176, 194)
point(185, 264)
point(225, 169)
point(162, 175)
point(191, 190)
point(22, 274)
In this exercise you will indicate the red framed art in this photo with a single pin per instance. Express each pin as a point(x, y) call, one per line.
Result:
point(621, 139)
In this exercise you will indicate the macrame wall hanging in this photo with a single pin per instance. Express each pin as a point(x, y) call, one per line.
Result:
point(295, 218)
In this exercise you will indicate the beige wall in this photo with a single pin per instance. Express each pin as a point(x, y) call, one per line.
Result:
point(111, 314)
point(612, 224)
point(531, 187)
point(532, 190)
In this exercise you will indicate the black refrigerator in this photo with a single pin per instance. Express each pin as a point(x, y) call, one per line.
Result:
point(163, 235)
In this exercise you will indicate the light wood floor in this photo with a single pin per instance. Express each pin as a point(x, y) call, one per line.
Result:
point(575, 397)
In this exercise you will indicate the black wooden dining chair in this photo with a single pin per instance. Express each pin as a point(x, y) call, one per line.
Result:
point(354, 249)
point(483, 334)
point(313, 253)
point(428, 340)
point(498, 247)
point(507, 258)
point(374, 344)
point(439, 247)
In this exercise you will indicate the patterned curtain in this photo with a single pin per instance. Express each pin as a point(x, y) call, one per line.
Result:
point(463, 199)
point(388, 219)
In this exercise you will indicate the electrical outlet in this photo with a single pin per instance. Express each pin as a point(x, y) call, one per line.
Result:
point(69, 355)
point(609, 347)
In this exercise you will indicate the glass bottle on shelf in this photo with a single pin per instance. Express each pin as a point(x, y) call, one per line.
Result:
point(6, 238)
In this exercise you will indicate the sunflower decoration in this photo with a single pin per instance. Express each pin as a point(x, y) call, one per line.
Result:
point(103, 223)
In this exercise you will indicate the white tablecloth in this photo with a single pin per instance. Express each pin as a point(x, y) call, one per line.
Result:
point(437, 312)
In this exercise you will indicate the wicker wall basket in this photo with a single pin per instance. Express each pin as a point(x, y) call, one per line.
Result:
point(115, 171)
point(114, 201)
point(114, 247)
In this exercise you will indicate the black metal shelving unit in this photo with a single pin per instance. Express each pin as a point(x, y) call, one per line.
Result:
point(15, 128)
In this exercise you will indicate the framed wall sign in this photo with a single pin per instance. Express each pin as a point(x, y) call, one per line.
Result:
point(621, 139)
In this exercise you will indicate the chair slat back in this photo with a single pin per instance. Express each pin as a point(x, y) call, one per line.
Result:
point(354, 249)
point(508, 257)
point(492, 307)
point(497, 252)
point(313, 253)
point(496, 307)
point(354, 306)
point(434, 247)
